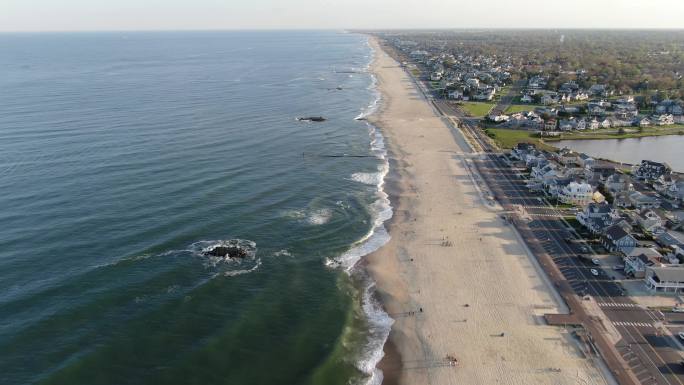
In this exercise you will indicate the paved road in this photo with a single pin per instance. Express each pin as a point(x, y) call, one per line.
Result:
point(507, 99)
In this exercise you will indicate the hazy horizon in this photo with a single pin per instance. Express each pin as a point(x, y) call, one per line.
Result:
point(177, 15)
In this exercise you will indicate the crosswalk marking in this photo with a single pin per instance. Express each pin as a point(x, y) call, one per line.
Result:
point(639, 324)
point(616, 304)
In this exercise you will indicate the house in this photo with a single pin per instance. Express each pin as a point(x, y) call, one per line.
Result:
point(473, 82)
point(669, 240)
point(548, 99)
point(640, 258)
point(541, 172)
point(641, 201)
point(593, 124)
point(650, 221)
point(617, 239)
point(581, 124)
point(521, 150)
point(498, 118)
point(567, 125)
point(596, 217)
point(665, 278)
point(664, 120)
point(526, 99)
point(575, 193)
point(644, 122)
point(675, 191)
point(550, 124)
point(568, 157)
point(598, 90)
point(455, 94)
point(554, 186)
point(650, 170)
point(618, 182)
point(635, 265)
point(599, 171)
point(605, 123)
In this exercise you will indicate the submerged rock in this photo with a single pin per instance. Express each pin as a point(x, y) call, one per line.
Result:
point(227, 251)
point(312, 119)
point(234, 248)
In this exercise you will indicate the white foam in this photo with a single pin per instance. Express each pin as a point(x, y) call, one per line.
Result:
point(379, 326)
point(319, 217)
point(380, 323)
point(282, 253)
point(234, 273)
point(314, 217)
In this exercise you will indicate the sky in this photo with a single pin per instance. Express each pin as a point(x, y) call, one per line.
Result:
point(99, 15)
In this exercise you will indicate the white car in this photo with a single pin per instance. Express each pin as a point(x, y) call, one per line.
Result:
point(678, 309)
point(596, 262)
point(594, 272)
point(681, 335)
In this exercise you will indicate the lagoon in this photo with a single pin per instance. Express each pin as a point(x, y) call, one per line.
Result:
point(668, 149)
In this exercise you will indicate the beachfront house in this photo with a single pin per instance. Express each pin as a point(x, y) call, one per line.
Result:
point(596, 217)
point(543, 171)
point(665, 279)
point(638, 259)
point(616, 239)
point(577, 193)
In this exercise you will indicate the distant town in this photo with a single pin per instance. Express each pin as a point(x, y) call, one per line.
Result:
point(575, 84)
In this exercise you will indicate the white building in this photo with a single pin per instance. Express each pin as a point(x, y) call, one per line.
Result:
point(575, 193)
point(665, 278)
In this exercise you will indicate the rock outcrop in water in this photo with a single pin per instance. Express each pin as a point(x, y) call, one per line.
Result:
point(312, 119)
point(227, 251)
point(234, 248)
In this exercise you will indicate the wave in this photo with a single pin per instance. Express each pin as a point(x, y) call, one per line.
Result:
point(319, 217)
point(379, 326)
point(379, 322)
point(313, 217)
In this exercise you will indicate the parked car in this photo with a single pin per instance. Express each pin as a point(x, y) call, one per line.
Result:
point(681, 335)
point(678, 309)
point(594, 272)
point(596, 262)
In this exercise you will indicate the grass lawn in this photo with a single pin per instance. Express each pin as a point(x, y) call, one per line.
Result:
point(507, 138)
point(476, 108)
point(513, 108)
point(611, 133)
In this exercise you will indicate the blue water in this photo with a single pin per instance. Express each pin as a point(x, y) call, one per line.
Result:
point(123, 155)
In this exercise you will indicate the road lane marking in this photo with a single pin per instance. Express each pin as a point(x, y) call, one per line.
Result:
point(636, 324)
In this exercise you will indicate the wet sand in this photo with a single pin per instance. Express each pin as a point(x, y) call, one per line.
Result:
point(452, 257)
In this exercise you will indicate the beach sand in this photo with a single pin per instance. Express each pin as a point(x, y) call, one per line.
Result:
point(452, 257)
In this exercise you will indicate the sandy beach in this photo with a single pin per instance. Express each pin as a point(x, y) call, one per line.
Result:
point(454, 276)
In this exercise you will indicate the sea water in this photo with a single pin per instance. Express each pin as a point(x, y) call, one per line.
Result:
point(124, 156)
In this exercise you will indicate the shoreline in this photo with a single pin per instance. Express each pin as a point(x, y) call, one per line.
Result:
point(444, 297)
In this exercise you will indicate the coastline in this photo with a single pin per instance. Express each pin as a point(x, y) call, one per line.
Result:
point(453, 276)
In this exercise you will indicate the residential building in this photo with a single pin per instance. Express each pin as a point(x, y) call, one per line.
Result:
point(641, 201)
point(650, 170)
point(617, 239)
point(650, 221)
point(575, 193)
point(665, 278)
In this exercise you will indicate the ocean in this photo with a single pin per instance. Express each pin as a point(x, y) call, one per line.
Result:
point(124, 156)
